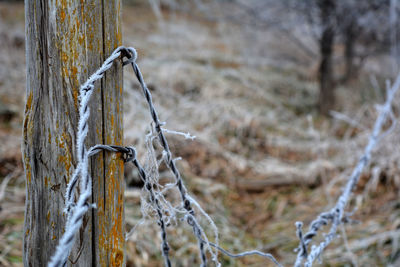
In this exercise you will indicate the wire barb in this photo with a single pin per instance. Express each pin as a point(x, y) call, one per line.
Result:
point(148, 185)
point(336, 215)
point(76, 211)
point(186, 203)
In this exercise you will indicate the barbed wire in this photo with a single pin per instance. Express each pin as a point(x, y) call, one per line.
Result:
point(167, 156)
point(154, 199)
point(336, 214)
point(131, 157)
point(76, 210)
point(186, 200)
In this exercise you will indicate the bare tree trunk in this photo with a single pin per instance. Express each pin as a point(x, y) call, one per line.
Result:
point(349, 53)
point(66, 42)
point(326, 79)
point(394, 53)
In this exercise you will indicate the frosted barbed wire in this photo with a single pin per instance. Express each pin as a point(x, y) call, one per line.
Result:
point(200, 234)
point(76, 211)
point(335, 215)
point(345, 118)
point(186, 135)
point(148, 185)
point(84, 113)
point(247, 253)
point(174, 211)
point(210, 221)
point(185, 198)
point(168, 156)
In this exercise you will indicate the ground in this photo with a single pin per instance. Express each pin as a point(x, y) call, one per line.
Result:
point(262, 159)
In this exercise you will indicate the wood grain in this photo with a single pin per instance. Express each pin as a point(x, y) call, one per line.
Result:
point(66, 42)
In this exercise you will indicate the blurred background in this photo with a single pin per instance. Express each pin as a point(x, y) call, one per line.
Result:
point(281, 96)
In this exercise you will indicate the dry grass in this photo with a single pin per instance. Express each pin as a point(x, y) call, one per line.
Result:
point(262, 160)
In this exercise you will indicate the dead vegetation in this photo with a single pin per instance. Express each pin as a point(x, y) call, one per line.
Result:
point(262, 159)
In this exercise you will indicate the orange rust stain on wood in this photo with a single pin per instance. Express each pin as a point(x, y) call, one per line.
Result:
point(64, 57)
point(66, 160)
point(29, 102)
point(28, 123)
point(78, 23)
point(63, 3)
point(61, 143)
point(103, 244)
point(72, 31)
point(121, 164)
point(62, 15)
point(117, 258)
point(48, 217)
point(118, 36)
point(66, 157)
point(81, 40)
point(74, 70)
point(75, 94)
point(98, 131)
point(114, 188)
point(65, 71)
point(28, 169)
point(112, 119)
point(99, 47)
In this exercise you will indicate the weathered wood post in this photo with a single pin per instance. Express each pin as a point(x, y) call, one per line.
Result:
point(66, 41)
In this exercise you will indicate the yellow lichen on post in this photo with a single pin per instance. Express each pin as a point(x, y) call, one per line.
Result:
point(27, 129)
point(115, 204)
point(114, 245)
point(66, 42)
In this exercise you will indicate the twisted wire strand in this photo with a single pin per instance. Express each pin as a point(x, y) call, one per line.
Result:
point(246, 253)
point(168, 157)
point(98, 148)
point(76, 211)
point(130, 156)
point(335, 215)
point(154, 199)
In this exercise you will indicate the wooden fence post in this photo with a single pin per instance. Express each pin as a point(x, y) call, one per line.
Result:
point(67, 40)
